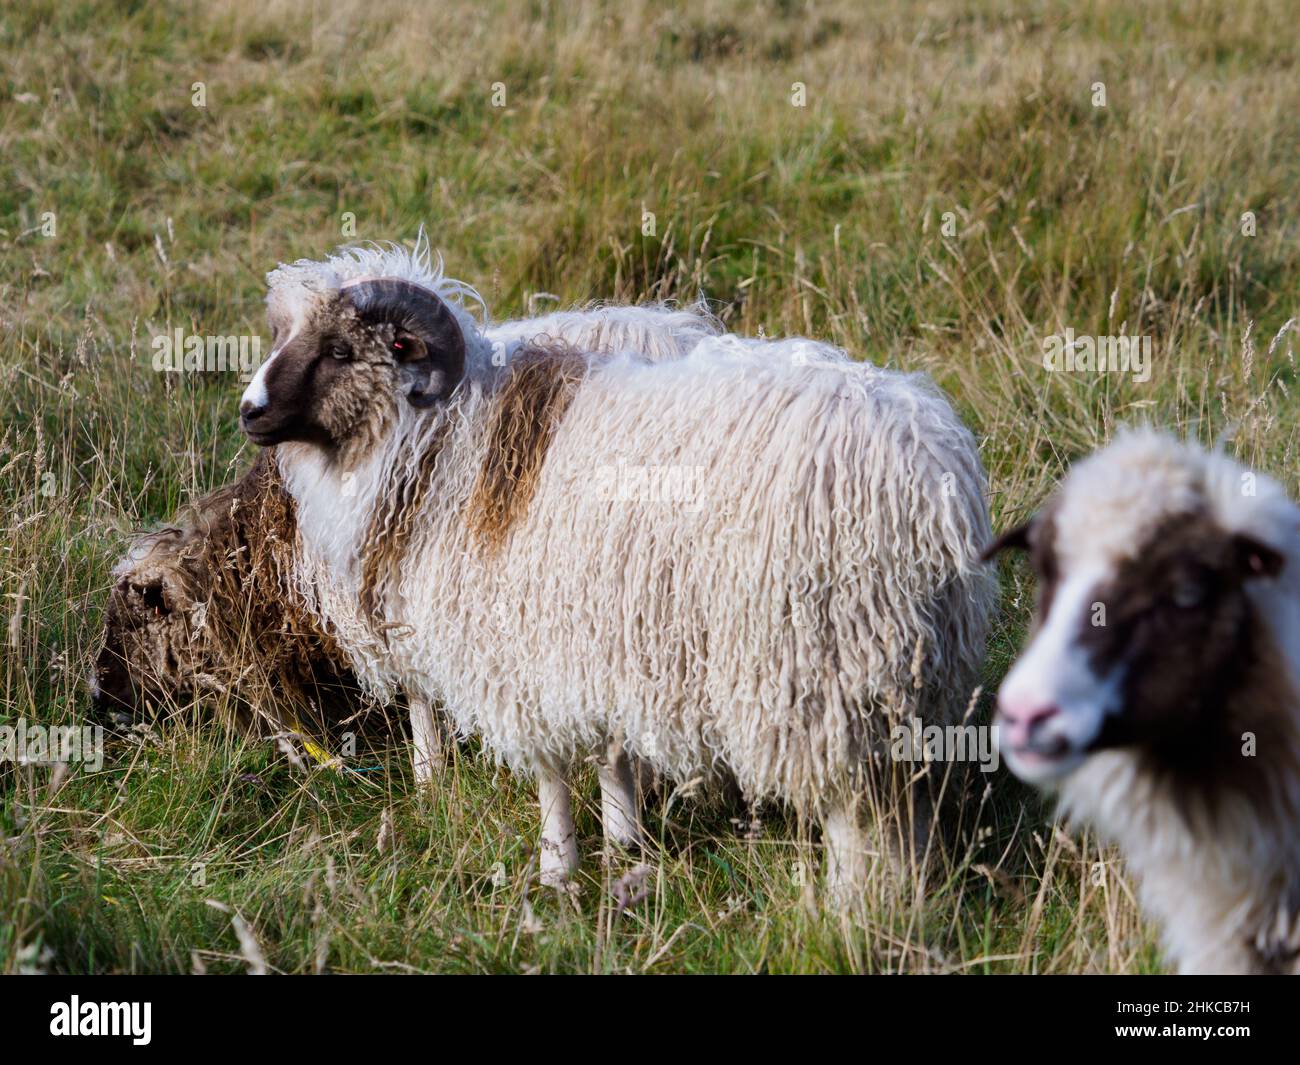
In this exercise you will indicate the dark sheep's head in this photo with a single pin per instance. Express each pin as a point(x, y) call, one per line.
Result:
point(1147, 627)
point(344, 358)
point(148, 649)
point(202, 608)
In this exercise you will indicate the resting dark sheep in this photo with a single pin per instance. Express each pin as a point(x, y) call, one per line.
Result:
point(205, 607)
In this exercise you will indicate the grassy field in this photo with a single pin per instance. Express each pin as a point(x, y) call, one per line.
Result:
point(949, 193)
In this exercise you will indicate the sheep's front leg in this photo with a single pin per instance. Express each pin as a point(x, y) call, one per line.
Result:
point(845, 843)
point(619, 812)
point(559, 857)
point(426, 741)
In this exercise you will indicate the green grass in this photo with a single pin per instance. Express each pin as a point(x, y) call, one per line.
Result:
point(826, 220)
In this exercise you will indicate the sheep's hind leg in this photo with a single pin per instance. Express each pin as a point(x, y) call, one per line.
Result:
point(427, 750)
point(619, 810)
point(559, 851)
point(847, 856)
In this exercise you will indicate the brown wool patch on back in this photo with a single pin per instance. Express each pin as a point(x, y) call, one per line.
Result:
point(529, 406)
point(211, 608)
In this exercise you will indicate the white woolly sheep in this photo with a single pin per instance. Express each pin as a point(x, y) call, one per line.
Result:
point(748, 558)
point(1160, 691)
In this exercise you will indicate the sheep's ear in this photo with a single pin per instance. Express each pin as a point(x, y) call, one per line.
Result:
point(423, 380)
point(429, 347)
point(1255, 558)
point(1016, 538)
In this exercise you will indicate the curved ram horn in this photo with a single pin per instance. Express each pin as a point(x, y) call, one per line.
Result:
point(434, 375)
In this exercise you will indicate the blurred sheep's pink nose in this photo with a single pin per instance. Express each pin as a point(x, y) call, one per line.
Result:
point(1020, 719)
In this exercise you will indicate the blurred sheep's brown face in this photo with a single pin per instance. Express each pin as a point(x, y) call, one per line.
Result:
point(341, 362)
point(147, 645)
point(111, 686)
point(1141, 653)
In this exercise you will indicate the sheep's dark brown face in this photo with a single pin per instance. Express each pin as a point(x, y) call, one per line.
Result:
point(341, 362)
point(111, 686)
point(1143, 650)
point(148, 650)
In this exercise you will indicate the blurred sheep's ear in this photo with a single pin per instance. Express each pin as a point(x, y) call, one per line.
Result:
point(1016, 538)
point(1255, 558)
point(428, 345)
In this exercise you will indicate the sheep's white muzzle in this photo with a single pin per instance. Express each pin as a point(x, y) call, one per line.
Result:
point(255, 396)
point(1052, 705)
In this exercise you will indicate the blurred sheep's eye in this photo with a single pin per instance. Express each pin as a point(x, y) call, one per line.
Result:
point(406, 348)
point(153, 598)
point(337, 349)
point(1187, 595)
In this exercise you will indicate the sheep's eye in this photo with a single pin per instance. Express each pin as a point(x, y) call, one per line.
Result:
point(337, 349)
point(405, 348)
point(153, 598)
point(1187, 595)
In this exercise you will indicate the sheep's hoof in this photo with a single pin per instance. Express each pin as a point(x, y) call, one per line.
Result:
point(622, 845)
point(559, 862)
point(847, 858)
point(847, 898)
point(565, 887)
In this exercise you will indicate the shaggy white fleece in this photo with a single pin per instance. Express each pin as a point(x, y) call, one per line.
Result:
point(656, 333)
